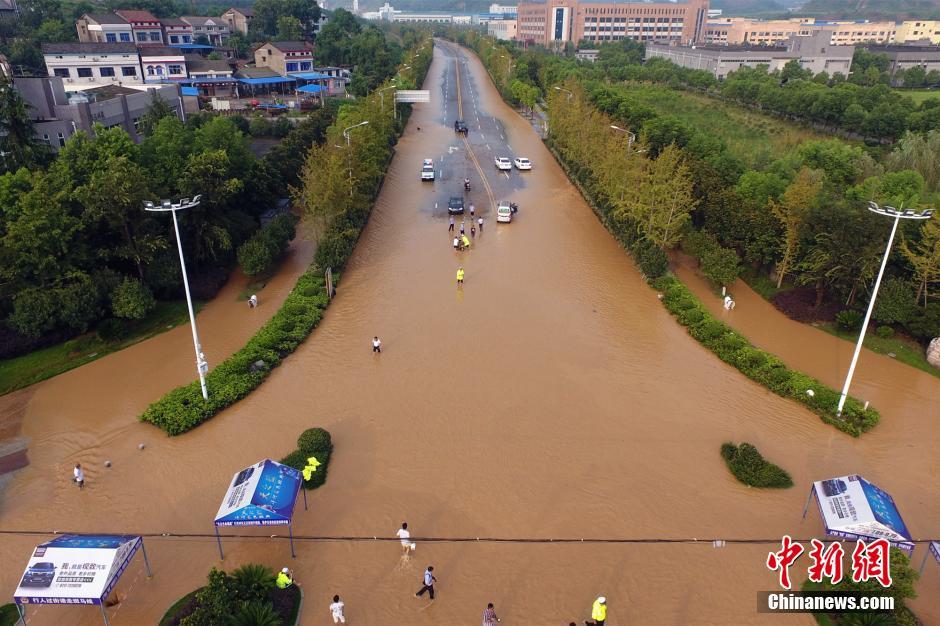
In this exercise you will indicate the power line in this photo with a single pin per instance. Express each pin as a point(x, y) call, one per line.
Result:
point(508, 540)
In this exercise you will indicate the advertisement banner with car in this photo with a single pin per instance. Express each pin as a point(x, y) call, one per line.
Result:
point(854, 508)
point(260, 495)
point(75, 569)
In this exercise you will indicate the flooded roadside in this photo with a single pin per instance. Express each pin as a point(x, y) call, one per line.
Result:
point(552, 396)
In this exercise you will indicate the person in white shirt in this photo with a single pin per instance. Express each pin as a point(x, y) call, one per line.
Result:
point(407, 545)
point(376, 345)
point(252, 301)
point(79, 474)
point(337, 609)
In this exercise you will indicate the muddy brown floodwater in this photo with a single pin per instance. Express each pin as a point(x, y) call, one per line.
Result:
point(551, 397)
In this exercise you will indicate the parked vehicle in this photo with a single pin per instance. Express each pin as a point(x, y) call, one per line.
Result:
point(427, 170)
point(455, 204)
point(504, 212)
point(503, 164)
point(522, 163)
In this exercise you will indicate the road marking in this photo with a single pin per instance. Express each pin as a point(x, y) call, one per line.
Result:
point(507, 175)
point(488, 147)
point(459, 102)
point(510, 147)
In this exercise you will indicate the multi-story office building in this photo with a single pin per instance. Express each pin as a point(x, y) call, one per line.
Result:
point(745, 31)
point(555, 22)
point(918, 30)
point(502, 29)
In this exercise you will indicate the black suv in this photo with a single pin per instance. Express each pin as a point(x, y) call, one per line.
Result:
point(455, 204)
point(460, 127)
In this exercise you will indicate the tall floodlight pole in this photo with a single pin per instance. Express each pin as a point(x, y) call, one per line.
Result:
point(898, 215)
point(202, 366)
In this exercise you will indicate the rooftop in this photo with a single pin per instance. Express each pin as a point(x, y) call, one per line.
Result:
point(159, 51)
point(173, 21)
point(196, 63)
point(257, 72)
point(137, 16)
point(105, 18)
point(289, 46)
point(88, 48)
point(245, 12)
point(98, 94)
point(201, 20)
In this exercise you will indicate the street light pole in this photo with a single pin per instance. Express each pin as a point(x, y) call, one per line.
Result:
point(346, 135)
point(631, 137)
point(202, 366)
point(382, 96)
point(567, 91)
point(898, 215)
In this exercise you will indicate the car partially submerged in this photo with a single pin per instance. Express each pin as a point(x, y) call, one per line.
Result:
point(522, 163)
point(504, 212)
point(460, 128)
point(455, 205)
point(503, 164)
point(427, 170)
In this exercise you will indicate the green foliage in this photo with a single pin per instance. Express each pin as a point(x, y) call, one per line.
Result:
point(252, 582)
point(256, 613)
point(895, 302)
point(651, 258)
point(313, 442)
point(213, 602)
point(259, 254)
point(885, 332)
point(255, 257)
point(721, 265)
point(748, 466)
point(760, 366)
point(849, 319)
point(132, 300)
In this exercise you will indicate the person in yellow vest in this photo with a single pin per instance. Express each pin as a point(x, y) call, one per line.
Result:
point(459, 275)
point(285, 579)
point(598, 612)
point(465, 241)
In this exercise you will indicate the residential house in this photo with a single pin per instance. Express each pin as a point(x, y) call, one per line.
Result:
point(285, 57)
point(176, 32)
point(8, 10)
point(147, 29)
point(87, 65)
point(211, 78)
point(215, 29)
point(161, 64)
point(57, 116)
point(239, 19)
point(103, 28)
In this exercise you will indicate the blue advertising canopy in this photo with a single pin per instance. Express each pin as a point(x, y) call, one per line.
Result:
point(310, 75)
point(934, 550)
point(267, 80)
point(77, 569)
point(189, 91)
point(192, 46)
point(262, 494)
point(853, 508)
point(312, 89)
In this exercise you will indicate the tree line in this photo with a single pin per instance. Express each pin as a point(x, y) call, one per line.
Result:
point(799, 220)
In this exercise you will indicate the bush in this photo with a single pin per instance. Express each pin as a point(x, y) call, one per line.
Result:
point(252, 582)
point(885, 332)
point(748, 466)
point(184, 408)
point(895, 303)
point(925, 323)
point(760, 366)
point(255, 256)
point(259, 254)
point(315, 442)
point(849, 319)
point(256, 614)
point(112, 329)
point(721, 265)
point(651, 259)
point(132, 300)
point(259, 127)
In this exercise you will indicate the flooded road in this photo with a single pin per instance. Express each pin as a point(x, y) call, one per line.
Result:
point(552, 396)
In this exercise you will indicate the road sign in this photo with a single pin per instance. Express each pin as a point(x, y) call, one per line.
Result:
point(413, 95)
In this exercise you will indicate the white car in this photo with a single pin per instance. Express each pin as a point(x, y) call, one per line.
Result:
point(504, 212)
point(503, 164)
point(522, 163)
point(427, 170)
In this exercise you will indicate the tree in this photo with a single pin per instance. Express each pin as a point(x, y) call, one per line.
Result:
point(920, 153)
point(896, 302)
point(157, 110)
point(721, 265)
point(792, 211)
point(924, 257)
point(17, 136)
point(289, 28)
point(132, 300)
point(915, 77)
point(794, 71)
point(268, 12)
point(663, 199)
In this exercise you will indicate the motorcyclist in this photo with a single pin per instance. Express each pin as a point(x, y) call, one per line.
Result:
point(466, 184)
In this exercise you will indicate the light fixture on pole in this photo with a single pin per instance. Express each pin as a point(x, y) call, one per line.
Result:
point(382, 95)
point(631, 137)
point(202, 366)
point(567, 91)
point(346, 131)
point(898, 215)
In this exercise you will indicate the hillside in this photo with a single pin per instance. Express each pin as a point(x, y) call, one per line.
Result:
point(731, 8)
point(872, 9)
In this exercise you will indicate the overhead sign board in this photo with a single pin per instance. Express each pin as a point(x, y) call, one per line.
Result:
point(854, 508)
point(413, 95)
point(260, 495)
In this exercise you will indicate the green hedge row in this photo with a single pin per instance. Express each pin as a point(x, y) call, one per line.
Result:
point(760, 366)
point(748, 466)
point(314, 442)
point(237, 376)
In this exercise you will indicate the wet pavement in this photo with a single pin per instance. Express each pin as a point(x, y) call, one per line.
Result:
point(552, 396)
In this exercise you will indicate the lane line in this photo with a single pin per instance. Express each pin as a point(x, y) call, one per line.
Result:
point(466, 140)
